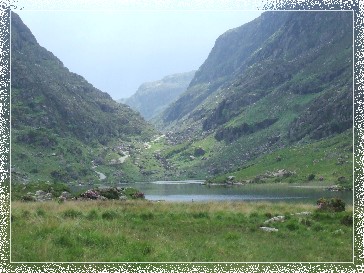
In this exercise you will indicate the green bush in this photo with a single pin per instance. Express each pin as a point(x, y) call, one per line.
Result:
point(20, 191)
point(347, 220)
point(28, 198)
point(292, 226)
point(111, 193)
point(332, 205)
point(311, 177)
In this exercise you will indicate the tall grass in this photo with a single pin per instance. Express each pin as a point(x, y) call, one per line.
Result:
point(126, 231)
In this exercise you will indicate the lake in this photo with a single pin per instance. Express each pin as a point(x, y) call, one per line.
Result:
point(193, 190)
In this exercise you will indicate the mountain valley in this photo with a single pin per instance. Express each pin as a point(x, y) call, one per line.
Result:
point(274, 94)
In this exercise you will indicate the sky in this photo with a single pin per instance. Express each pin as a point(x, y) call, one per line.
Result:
point(118, 50)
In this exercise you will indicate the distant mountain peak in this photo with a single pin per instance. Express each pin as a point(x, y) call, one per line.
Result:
point(152, 98)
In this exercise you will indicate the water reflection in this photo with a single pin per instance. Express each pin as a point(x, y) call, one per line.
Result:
point(194, 191)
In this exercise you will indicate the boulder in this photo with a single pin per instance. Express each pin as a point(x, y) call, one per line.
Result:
point(303, 213)
point(269, 229)
point(43, 196)
point(231, 178)
point(282, 173)
point(65, 195)
point(279, 218)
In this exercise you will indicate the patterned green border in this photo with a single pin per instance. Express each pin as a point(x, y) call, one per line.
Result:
point(355, 5)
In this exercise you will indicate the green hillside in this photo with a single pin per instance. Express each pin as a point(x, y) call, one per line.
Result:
point(64, 129)
point(283, 79)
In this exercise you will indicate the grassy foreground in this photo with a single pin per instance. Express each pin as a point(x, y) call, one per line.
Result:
point(143, 231)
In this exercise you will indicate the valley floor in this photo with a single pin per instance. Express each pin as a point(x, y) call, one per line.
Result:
point(145, 231)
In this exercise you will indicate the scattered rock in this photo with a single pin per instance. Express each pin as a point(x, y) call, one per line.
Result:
point(65, 195)
point(279, 173)
point(304, 213)
point(339, 232)
point(336, 188)
point(280, 218)
point(111, 193)
point(269, 229)
point(41, 196)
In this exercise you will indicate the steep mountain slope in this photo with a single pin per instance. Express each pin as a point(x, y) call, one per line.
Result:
point(284, 78)
point(60, 122)
point(152, 98)
point(273, 88)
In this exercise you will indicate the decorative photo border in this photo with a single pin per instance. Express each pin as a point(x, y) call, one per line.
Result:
point(358, 110)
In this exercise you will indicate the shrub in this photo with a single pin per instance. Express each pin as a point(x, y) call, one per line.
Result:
point(111, 193)
point(268, 215)
point(90, 194)
point(311, 177)
point(347, 220)
point(199, 151)
point(292, 226)
point(133, 193)
point(28, 198)
point(333, 204)
point(138, 195)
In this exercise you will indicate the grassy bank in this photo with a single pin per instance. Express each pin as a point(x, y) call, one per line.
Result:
point(328, 162)
point(126, 231)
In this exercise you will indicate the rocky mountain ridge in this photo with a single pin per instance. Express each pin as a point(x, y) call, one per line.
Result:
point(283, 78)
point(152, 98)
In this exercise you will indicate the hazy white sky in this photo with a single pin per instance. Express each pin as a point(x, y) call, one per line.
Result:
point(116, 51)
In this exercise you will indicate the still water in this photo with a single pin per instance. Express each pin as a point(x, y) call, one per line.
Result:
point(193, 190)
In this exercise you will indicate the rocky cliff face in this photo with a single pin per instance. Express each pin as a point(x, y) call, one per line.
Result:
point(280, 54)
point(152, 98)
point(284, 77)
point(46, 95)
